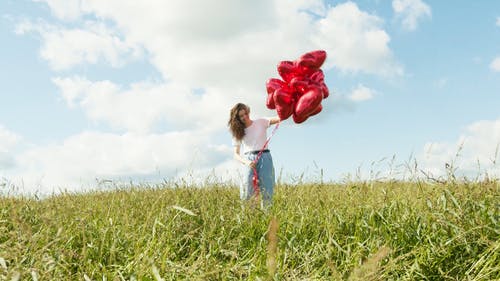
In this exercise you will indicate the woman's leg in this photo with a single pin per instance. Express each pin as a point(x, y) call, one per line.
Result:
point(265, 169)
point(247, 189)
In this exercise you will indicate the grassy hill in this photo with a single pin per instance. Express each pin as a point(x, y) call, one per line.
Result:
point(352, 231)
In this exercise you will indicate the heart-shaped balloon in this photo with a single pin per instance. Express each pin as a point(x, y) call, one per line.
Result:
point(283, 101)
point(287, 70)
point(273, 84)
point(308, 102)
point(303, 88)
point(312, 60)
point(299, 85)
point(318, 76)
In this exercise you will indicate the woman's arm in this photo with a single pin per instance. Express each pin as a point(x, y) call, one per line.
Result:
point(238, 157)
point(274, 120)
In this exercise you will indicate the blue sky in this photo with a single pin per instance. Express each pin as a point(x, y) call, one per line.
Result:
point(99, 91)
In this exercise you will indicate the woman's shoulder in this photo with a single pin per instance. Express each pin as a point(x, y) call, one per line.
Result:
point(262, 120)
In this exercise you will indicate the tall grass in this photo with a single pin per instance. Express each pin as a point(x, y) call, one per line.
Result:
point(353, 231)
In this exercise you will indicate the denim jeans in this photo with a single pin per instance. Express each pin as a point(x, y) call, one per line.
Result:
point(265, 171)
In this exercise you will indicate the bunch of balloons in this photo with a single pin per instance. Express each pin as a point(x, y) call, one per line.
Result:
point(302, 89)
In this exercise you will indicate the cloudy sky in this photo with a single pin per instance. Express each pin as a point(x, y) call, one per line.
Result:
point(139, 91)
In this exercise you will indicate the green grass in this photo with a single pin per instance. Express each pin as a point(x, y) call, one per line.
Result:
point(352, 231)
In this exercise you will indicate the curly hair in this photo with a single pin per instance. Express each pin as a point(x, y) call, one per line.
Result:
point(236, 126)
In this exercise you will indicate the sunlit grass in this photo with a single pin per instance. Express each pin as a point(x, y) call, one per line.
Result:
point(354, 231)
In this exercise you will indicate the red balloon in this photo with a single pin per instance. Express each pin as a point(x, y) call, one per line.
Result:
point(313, 59)
point(317, 110)
point(299, 119)
point(284, 103)
point(303, 71)
point(318, 76)
point(308, 102)
point(270, 101)
point(325, 90)
point(287, 70)
point(299, 85)
point(303, 88)
point(273, 84)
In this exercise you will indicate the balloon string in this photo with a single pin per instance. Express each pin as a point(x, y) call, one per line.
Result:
point(255, 178)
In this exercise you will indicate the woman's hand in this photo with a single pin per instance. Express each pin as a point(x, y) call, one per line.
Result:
point(251, 164)
point(243, 161)
point(274, 120)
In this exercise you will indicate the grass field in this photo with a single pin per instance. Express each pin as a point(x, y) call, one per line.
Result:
point(352, 231)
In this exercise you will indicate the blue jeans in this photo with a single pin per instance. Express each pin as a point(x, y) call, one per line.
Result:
point(265, 171)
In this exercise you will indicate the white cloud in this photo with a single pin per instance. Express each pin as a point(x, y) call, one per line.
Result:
point(211, 55)
point(65, 9)
point(361, 93)
point(411, 11)
point(356, 41)
point(495, 64)
point(82, 158)
point(146, 104)
point(498, 21)
point(8, 141)
point(230, 64)
point(239, 43)
point(64, 48)
point(473, 153)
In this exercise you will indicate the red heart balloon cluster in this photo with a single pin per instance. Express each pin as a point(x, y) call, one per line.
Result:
point(302, 89)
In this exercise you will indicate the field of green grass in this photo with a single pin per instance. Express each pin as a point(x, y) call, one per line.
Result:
point(352, 231)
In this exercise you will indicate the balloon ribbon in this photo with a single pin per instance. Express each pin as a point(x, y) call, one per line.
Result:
point(255, 178)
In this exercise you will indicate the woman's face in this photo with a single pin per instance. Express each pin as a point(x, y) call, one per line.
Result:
point(244, 115)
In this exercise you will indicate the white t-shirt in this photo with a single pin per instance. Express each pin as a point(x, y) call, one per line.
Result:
point(255, 135)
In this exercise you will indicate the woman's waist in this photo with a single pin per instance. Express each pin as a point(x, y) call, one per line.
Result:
point(253, 152)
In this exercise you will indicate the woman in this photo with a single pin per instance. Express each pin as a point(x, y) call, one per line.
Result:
point(253, 135)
